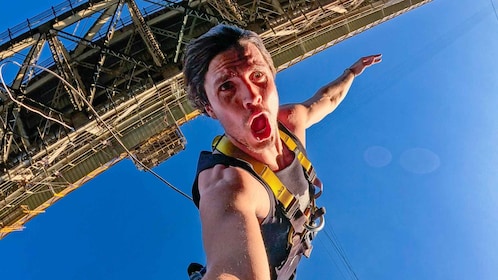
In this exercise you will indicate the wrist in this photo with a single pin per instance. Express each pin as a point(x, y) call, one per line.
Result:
point(348, 71)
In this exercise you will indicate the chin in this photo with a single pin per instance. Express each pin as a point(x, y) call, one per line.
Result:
point(260, 145)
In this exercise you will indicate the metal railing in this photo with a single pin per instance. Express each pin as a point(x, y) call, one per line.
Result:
point(36, 21)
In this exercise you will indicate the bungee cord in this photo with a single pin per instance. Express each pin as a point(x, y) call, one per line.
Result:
point(6, 88)
point(340, 251)
point(332, 258)
point(494, 9)
point(94, 112)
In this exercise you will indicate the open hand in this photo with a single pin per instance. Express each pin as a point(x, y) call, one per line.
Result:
point(364, 62)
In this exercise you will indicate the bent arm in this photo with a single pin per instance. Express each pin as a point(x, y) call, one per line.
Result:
point(326, 99)
point(229, 207)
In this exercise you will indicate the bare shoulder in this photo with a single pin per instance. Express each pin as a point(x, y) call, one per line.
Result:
point(295, 118)
point(232, 188)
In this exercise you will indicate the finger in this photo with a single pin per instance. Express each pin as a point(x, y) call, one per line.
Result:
point(378, 58)
point(375, 58)
point(368, 60)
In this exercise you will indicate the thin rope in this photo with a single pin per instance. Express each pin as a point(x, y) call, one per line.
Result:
point(24, 105)
point(113, 133)
point(494, 9)
point(332, 258)
point(342, 254)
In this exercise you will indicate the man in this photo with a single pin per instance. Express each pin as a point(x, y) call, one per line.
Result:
point(247, 228)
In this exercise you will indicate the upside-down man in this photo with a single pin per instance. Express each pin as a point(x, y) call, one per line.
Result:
point(256, 189)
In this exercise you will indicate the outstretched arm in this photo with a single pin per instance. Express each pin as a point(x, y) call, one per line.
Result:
point(326, 99)
point(364, 62)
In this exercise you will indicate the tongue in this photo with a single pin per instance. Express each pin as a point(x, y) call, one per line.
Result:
point(260, 127)
point(258, 123)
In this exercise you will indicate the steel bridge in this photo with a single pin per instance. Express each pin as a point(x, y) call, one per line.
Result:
point(94, 80)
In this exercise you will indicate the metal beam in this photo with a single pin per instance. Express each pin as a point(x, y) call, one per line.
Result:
point(100, 63)
point(96, 26)
point(31, 58)
point(146, 33)
point(70, 74)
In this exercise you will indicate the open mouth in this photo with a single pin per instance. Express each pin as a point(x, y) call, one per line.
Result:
point(260, 127)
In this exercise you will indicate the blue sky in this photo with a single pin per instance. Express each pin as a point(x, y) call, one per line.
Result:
point(408, 160)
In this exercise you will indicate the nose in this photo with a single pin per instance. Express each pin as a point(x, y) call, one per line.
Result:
point(251, 95)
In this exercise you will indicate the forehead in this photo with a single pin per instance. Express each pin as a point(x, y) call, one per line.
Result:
point(236, 58)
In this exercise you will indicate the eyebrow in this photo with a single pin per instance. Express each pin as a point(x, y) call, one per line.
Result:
point(227, 73)
point(222, 78)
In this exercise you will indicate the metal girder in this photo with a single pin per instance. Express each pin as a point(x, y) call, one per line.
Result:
point(192, 11)
point(63, 63)
point(167, 33)
point(147, 35)
point(64, 19)
point(229, 10)
point(31, 58)
point(7, 139)
point(106, 50)
point(19, 123)
point(277, 6)
point(290, 42)
point(181, 33)
point(96, 26)
point(108, 37)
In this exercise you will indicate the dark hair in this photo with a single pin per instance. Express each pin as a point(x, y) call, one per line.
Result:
point(202, 50)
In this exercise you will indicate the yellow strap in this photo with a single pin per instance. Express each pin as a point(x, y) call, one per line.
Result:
point(283, 195)
point(289, 142)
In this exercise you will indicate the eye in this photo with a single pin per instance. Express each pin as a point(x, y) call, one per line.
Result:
point(258, 77)
point(228, 85)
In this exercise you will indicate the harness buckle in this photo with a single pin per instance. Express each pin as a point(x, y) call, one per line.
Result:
point(312, 225)
point(317, 183)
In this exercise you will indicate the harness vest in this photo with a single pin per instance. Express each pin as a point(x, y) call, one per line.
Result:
point(294, 219)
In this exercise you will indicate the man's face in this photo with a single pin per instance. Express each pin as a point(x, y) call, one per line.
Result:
point(242, 95)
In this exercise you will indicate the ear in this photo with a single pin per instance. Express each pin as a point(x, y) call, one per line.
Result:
point(210, 111)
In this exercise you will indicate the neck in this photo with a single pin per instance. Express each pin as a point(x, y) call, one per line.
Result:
point(284, 159)
point(276, 155)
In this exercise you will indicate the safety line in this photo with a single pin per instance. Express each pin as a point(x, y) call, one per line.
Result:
point(494, 9)
point(332, 258)
point(342, 254)
point(24, 105)
point(111, 131)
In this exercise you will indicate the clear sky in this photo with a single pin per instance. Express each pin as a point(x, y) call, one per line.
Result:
point(409, 162)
